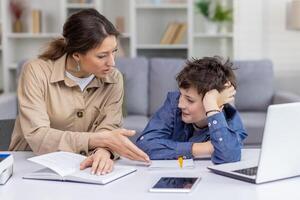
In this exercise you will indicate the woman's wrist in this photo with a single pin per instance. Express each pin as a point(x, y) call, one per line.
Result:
point(98, 140)
point(104, 151)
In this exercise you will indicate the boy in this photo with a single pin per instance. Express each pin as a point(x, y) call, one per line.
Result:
point(198, 120)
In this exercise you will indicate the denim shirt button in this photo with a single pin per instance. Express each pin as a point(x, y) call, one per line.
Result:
point(215, 122)
point(142, 138)
point(220, 139)
point(209, 124)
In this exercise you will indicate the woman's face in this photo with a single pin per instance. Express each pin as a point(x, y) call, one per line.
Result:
point(190, 103)
point(100, 60)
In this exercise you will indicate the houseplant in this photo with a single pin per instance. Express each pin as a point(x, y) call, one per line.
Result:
point(216, 15)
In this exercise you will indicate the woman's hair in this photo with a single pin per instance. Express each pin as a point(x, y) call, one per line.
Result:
point(82, 31)
point(206, 74)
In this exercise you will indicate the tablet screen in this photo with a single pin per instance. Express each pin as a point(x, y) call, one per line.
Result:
point(175, 184)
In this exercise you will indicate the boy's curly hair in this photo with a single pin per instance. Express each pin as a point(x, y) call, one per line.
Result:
point(206, 74)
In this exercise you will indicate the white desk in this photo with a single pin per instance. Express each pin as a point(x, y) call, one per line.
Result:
point(136, 185)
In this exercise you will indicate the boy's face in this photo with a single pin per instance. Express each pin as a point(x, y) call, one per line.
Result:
point(190, 103)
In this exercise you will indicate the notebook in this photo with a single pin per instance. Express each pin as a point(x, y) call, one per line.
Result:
point(280, 152)
point(171, 164)
point(6, 167)
point(64, 166)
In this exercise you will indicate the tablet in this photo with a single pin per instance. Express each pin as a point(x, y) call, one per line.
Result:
point(175, 184)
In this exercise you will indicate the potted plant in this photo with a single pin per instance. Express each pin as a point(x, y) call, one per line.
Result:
point(215, 14)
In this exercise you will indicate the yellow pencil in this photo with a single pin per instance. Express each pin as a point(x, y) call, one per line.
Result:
point(180, 161)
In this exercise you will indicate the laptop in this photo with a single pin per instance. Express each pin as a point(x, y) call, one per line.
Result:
point(280, 151)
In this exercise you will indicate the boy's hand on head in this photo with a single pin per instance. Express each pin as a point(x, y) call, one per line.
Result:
point(227, 95)
point(211, 100)
point(214, 100)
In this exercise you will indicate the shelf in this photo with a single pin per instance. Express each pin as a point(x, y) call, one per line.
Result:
point(162, 6)
point(12, 66)
point(33, 35)
point(217, 35)
point(80, 5)
point(138, 38)
point(162, 46)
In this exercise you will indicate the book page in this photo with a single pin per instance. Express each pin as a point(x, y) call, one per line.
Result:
point(63, 163)
point(128, 162)
point(44, 174)
point(167, 164)
point(86, 176)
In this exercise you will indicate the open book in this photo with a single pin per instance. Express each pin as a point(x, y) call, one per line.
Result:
point(64, 166)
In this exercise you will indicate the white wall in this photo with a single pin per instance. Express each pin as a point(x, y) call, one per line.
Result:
point(248, 29)
point(261, 33)
point(283, 46)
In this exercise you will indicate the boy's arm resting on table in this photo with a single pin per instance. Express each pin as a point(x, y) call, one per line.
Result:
point(160, 149)
point(227, 143)
point(156, 139)
point(202, 149)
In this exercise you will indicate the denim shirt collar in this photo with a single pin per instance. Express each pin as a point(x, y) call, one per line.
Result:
point(228, 111)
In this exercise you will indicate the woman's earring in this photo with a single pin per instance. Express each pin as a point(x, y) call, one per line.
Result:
point(77, 67)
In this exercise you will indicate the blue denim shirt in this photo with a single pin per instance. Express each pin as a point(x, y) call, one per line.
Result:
point(167, 137)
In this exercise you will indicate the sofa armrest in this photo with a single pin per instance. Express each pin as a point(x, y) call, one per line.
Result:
point(285, 97)
point(8, 106)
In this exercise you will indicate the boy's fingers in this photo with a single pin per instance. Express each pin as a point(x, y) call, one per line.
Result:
point(227, 84)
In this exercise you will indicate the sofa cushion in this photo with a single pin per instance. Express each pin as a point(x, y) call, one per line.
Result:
point(135, 71)
point(137, 123)
point(6, 129)
point(255, 81)
point(254, 123)
point(8, 106)
point(163, 72)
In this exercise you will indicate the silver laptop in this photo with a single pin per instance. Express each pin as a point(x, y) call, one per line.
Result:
point(280, 151)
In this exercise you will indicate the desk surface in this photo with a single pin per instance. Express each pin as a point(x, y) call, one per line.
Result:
point(136, 185)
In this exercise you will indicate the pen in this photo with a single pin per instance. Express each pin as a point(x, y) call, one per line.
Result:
point(180, 161)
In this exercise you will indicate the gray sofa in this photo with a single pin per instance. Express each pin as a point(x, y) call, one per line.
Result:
point(147, 82)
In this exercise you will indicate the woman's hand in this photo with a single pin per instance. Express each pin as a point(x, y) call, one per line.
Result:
point(99, 161)
point(117, 141)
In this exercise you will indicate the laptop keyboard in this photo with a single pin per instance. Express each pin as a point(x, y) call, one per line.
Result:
point(247, 171)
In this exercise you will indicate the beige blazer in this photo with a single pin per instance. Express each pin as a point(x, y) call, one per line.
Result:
point(55, 115)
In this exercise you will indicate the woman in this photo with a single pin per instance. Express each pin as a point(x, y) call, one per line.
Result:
point(197, 121)
point(70, 98)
